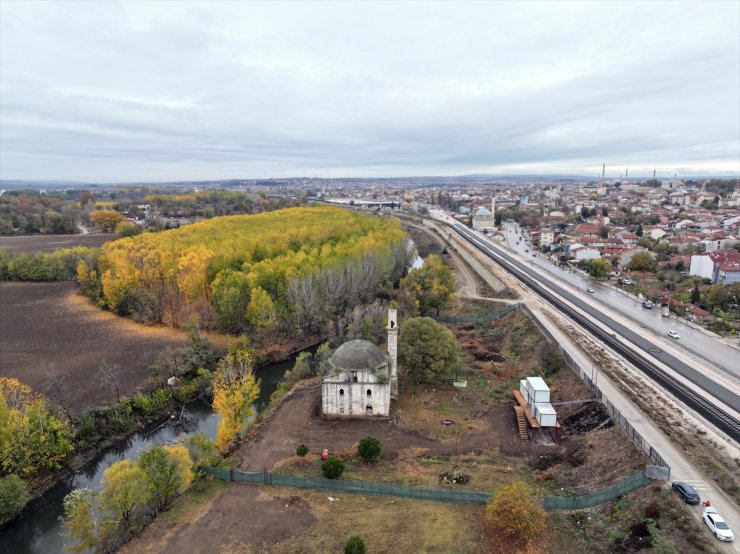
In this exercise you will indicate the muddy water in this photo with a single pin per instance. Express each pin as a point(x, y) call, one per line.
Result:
point(38, 530)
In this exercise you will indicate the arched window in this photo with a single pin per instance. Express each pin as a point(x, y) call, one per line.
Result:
point(341, 392)
point(369, 393)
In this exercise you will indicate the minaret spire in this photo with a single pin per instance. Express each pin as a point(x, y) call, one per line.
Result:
point(393, 349)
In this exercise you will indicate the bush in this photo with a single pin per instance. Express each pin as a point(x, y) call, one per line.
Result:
point(302, 450)
point(13, 496)
point(151, 403)
point(332, 468)
point(369, 448)
point(354, 545)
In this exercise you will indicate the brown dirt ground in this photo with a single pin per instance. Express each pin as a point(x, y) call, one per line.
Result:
point(49, 243)
point(50, 322)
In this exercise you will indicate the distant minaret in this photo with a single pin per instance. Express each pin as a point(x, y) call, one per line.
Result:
point(493, 210)
point(393, 349)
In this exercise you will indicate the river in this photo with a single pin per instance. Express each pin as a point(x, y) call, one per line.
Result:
point(38, 530)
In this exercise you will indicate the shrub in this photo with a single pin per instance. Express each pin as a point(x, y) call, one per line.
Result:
point(302, 450)
point(151, 403)
point(369, 448)
point(332, 468)
point(354, 545)
point(13, 496)
point(514, 513)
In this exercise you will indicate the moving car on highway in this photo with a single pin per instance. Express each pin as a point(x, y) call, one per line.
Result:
point(673, 334)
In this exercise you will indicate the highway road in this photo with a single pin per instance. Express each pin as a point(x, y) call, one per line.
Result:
point(688, 391)
point(707, 350)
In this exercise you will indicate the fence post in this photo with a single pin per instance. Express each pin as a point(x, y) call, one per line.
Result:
point(231, 474)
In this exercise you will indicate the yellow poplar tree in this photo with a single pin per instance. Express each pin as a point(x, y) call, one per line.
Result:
point(261, 311)
point(234, 390)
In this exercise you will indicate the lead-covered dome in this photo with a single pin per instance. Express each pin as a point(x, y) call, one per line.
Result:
point(357, 355)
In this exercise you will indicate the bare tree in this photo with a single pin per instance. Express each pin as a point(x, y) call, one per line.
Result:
point(56, 386)
point(110, 377)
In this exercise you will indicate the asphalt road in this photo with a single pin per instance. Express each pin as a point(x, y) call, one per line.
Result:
point(708, 350)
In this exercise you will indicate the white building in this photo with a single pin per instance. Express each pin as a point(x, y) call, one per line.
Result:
point(483, 219)
point(362, 379)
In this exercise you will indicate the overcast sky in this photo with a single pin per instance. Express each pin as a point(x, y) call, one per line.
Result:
point(140, 91)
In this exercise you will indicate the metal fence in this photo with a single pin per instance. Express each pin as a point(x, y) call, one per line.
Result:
point(418, 493)
point(477, 319)
point(595, 498)
point(357, 487)
point(615, 414)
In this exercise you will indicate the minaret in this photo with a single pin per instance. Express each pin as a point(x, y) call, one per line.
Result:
point(493, 211)
point(393, 349)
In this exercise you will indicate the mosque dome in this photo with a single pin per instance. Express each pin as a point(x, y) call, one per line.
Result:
point(357, 355)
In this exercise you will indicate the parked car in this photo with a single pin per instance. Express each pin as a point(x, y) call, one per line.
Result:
point(673, 334)
point(647, 304)
point(590, 289)
point(626, 281)
point(716, 524)
point(687, 492)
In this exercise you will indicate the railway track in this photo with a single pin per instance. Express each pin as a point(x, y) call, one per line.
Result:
point(563, 300)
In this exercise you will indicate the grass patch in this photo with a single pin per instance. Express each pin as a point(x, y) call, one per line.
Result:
point(387, 525)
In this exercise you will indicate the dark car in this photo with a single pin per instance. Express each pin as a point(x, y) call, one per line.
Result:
point(687, 492)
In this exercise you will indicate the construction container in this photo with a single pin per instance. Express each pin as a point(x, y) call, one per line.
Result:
point(523, 388)
point(537, 391)
point(545, 414)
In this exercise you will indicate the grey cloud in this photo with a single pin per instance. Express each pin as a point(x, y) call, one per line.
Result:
point(146, 91)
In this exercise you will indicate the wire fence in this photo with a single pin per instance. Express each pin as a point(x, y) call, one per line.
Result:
point(595, 498)
point(477, 319)
point(615, 414)
point(418, 493)
point(356, 487)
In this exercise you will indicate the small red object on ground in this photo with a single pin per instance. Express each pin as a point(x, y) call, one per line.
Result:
point(325, 454)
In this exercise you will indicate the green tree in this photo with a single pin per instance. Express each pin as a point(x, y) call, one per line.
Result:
point(598, 268)
point(128, 229)
point(717, 296)
point(368, 448)
point(431, 285)
point(261, 311)
point(514, 512)
point(332, 467)
point(202, 450)
point(122, 493)
point(167, 472)
point(13, 497)
point(354, 545)
point(81, 520)
point(643, 261)
point(551, 361)
point(302, 450)
point(695, 294)
point(31, 438)
point(427, 351)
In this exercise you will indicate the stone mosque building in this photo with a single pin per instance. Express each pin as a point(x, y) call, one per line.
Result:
point(362, 379)
point(484, 219)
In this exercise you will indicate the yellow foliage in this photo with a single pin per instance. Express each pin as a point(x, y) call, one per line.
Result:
point(234, 391)
point(179, 455)
point(264, 251)
point(515, 513)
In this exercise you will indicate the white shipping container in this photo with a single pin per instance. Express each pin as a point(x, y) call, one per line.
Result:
point(537, 390)
point(523, 389)
point(545, 414)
